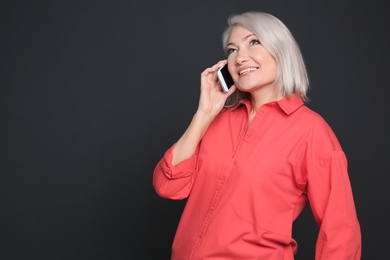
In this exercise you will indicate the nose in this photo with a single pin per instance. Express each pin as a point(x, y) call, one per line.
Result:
point(242, 56)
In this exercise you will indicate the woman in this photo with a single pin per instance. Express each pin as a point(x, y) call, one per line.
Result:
point(252, 157)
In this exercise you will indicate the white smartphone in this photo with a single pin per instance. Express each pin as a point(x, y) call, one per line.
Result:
point(225, 78)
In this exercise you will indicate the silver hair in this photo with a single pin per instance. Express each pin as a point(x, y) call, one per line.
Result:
point(291, 76)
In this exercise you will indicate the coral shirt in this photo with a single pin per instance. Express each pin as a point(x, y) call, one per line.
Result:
point(245, 187)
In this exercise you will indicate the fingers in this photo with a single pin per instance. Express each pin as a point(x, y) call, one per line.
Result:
point(219, 64)
point(214, 68)
point(231, 90)
point(209, 74)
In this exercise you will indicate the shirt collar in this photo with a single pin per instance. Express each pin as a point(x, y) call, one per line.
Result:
point(288, 104)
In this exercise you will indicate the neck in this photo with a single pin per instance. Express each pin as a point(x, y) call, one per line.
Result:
point(259, 100)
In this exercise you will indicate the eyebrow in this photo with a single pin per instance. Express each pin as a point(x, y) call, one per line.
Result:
point(245, 38)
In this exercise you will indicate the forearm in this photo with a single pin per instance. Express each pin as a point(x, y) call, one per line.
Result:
point(331, 200)
point(211, 102)
point(189, 141)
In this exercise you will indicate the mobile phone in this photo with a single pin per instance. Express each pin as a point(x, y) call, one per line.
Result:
point(225, 78)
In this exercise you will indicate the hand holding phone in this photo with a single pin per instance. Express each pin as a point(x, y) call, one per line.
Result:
point(225, 78)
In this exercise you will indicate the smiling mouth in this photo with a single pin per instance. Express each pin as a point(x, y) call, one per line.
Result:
point(246, 71)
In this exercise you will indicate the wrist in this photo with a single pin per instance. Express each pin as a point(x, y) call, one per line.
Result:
point(204, 118)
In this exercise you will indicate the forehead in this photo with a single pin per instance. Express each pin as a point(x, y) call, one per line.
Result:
point(239, 33)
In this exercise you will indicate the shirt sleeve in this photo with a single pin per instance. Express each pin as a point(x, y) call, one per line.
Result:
point(331, 199)
point(174, 181)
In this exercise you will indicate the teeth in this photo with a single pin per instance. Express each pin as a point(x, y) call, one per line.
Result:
point(247, 70)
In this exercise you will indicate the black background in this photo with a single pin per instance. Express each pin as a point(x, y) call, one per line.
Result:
point(94, 92)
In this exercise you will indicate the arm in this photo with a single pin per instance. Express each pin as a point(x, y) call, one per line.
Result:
point(174, 174)
point(331, 200)
point(211, 102)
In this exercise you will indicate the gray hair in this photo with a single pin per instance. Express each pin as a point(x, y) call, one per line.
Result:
point(291, 76)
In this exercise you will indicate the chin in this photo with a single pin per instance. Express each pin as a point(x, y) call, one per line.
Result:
point(245, 88)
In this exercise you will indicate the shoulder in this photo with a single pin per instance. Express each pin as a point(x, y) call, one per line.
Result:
point(309, 117)
point(317, 128)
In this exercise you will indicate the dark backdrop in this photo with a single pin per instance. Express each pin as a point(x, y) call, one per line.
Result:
point(93, 93)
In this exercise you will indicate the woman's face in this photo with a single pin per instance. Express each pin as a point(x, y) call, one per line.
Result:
point(252, 67)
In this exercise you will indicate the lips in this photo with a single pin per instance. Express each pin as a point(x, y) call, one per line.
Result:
point(247, 70)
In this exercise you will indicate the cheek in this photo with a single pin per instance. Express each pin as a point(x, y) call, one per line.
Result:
point(230, 60)
point(271, 68)
point(231, 66)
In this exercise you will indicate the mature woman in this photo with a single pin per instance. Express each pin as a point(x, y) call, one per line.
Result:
point(253, 157)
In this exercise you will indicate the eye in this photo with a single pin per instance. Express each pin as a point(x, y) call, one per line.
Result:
point(254, 42)
point(230, 50)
